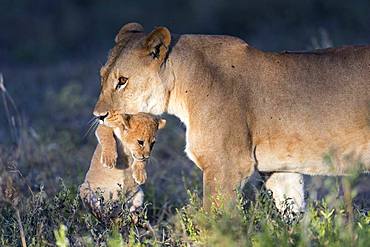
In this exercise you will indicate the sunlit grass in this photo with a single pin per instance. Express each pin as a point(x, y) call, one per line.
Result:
point(62, 219)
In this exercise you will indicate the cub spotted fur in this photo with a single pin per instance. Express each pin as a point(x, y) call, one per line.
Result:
point(137, 134)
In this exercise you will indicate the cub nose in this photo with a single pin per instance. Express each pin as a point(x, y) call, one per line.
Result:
point(102, 116)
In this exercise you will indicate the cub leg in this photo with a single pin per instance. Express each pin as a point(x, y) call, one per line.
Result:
point(139, 172)
point(107, 141)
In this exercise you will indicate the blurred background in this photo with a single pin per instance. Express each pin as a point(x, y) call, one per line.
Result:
point(51, 52)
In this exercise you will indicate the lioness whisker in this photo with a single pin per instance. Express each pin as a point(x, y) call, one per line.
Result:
point(94, 124)
point(94, 127)
point(92, 120)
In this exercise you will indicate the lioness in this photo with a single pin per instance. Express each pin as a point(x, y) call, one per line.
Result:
point(137, 134)
point(245, 109)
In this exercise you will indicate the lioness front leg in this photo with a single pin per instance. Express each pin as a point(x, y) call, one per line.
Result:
point(220, 184)
point(107, 141)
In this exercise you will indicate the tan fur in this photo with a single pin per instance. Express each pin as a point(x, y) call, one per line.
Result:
point(110, 182)
point(244, 108)
point(121, 177)
point(137, 134)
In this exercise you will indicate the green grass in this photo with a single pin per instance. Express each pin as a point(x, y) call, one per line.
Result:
point(62, 220)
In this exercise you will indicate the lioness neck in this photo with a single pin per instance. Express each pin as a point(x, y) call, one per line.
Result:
point(176, 103)
point(194, 67)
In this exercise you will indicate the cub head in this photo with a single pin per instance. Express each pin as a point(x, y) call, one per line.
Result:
point(130, 81)
point(136, 132)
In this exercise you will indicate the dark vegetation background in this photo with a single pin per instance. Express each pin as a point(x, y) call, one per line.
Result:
point(51, 52)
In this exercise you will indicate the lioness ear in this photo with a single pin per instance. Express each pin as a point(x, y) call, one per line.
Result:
point(132, 27)
point(161, 123)
point(157, 43)
point(126, 120)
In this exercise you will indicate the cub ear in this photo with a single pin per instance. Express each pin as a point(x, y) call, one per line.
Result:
point(157, 43)
point(126, 120)
point(132, 27)
point(161, 123)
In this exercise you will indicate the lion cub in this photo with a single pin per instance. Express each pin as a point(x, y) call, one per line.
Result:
point(137, 134)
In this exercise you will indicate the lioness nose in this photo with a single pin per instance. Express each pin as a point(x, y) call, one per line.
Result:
point(102, 116)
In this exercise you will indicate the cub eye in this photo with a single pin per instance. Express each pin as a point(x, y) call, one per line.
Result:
point(122, 82)
point(140, 142)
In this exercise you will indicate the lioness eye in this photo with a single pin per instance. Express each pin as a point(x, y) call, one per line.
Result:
point(122, 81)
point(141, 142)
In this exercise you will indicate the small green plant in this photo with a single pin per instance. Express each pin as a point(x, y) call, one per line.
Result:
point(60, 235)
point(115, 240)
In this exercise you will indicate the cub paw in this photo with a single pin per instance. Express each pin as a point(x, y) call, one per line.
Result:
point(108, 158)
point(139, 174)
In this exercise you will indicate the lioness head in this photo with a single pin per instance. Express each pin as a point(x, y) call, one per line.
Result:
point(137, 132)
point(130, 81)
